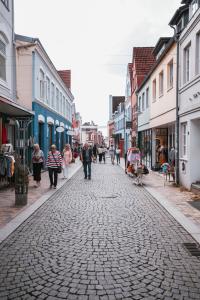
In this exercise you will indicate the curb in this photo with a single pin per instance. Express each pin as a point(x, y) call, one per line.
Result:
point(25, 214)
point(188, 225)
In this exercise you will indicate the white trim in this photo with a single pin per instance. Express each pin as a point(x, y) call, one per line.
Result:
point(41, 118)
point(50, 120)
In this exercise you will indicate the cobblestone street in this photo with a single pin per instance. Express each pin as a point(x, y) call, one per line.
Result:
point(102, 239)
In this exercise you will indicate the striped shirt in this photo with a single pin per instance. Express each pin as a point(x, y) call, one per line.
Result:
point(54, 160)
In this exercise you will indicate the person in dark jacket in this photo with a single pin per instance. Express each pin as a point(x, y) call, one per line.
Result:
point(86, 158)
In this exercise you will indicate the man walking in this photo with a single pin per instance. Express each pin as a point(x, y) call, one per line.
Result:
point(112, 154)
point(86, 158)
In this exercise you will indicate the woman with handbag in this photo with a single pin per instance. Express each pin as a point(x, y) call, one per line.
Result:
point(54, 164)
point(67, 158)
point(38, 162)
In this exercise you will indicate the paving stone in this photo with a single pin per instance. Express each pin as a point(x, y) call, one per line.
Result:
point(100, 239)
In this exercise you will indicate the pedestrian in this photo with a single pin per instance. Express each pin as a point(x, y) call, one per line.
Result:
point(112, 154)
point(54, 164)
point(94, 151)
point(38, 162)
point(86, 158)
point(118, 151)
point(100, 153)
point(67, 158)
point(104, 154)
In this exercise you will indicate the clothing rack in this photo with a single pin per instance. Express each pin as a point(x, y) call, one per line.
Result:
point(5, 180)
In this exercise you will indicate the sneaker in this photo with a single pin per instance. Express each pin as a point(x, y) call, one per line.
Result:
point(85, 177)
point(89, 177)
point(54, 187)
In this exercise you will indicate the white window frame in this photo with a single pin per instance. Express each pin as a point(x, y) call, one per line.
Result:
point(48, 93)
point(198, 53)
point(3, 49)
point(161, 83)
point(170, 74)
point(147, 97)
point(143, 99)
point(57, 99)
point(154, 94)
point(184, 139)
point(186, 63)
point(194, 7)
point(139, 104)
point(52, 95)
point(42, 85)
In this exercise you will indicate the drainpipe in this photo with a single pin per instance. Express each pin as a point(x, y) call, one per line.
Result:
point(176, 35)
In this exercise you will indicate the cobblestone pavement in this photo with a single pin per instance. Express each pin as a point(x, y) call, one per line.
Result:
point(101, 239)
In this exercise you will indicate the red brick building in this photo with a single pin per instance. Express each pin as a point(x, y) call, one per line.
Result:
point(142, 62)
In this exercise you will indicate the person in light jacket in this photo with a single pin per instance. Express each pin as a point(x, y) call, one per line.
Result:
point(54, 162)
point(67, 158)
point(38, 162)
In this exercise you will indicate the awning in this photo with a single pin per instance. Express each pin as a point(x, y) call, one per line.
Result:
point(12, 109)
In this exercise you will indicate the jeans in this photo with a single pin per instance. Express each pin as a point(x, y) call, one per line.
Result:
point(87, 169)
point(53, 176)
point(118, 158)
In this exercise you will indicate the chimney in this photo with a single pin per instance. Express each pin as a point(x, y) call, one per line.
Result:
point(66, 77)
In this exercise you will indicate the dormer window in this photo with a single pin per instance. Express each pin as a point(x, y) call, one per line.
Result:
point(194, 6)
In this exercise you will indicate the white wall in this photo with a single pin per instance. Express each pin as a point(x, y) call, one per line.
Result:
point(6, 34)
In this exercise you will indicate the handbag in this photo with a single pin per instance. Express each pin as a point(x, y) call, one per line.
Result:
point(59, 169)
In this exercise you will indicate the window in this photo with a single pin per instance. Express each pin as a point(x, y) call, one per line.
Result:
point(143, 95)
point(52, 95)
point(139, 104)
point(5, 3)
point(147, 97)
point(186, 64)
point(198, 53)
point(161, 83)
point(61, 104)
point(2, 60)
point(42, 85)
point(184, 139)
point(194, 6)
point(48, 90)
point(154, 90)
point(57, 99)
point(170, 74)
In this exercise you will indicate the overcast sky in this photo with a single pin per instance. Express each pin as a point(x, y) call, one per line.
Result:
point(94, 38)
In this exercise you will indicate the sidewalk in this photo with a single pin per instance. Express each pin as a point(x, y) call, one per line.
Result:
point(11, 216)
point(175, 200)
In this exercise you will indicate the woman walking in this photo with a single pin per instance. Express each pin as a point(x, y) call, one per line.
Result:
point(38, 161)
point(67, 158)
point(54, 164)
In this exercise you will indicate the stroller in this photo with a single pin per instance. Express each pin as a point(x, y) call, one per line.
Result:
point(136, 168)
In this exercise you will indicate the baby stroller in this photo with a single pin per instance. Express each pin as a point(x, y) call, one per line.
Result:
point(136, 168)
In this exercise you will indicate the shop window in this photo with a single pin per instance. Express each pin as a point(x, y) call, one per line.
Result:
point(2, 60)
point(154, 90)
point(161, 83)
point(170, 74)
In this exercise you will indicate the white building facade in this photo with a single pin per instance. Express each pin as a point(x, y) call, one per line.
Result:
point(189, 98)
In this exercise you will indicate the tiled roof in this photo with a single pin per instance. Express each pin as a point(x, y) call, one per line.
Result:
point(66, 77)
point(143, 60)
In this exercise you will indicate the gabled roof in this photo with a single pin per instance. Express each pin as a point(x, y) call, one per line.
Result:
point(178, 14)
point(155, 65)
point(143, 59)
